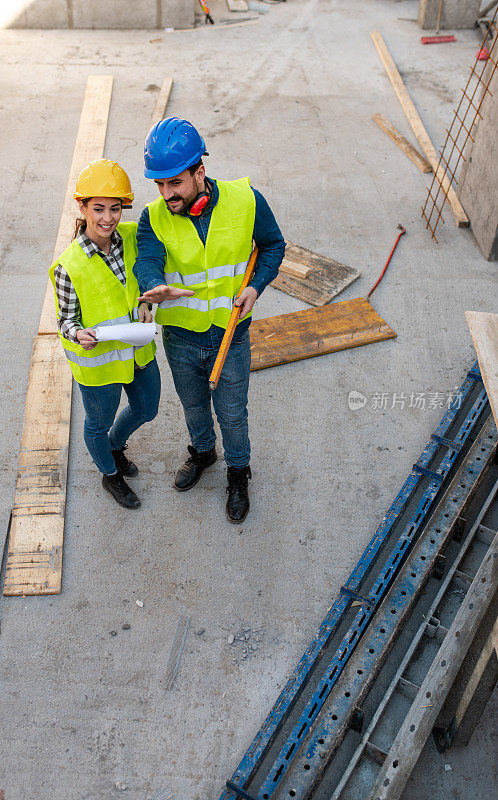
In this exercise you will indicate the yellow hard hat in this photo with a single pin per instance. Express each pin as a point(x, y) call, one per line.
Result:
point(104, 178)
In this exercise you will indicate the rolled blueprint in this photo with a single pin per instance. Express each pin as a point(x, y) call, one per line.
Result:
point(135, 333)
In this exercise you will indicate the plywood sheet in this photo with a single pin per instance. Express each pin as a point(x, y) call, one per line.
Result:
point(314, 332)
point(325, 280)
point(34, 556)
point(484, 330)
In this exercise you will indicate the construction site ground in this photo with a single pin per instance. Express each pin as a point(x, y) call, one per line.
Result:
point(288, 100)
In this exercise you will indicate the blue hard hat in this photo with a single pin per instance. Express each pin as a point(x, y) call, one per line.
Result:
point(171, 146)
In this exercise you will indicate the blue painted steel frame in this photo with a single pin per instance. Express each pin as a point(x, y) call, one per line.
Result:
point(364, 617)
point(309, 766)
point(299, 678)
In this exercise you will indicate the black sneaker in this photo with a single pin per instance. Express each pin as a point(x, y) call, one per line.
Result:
point(123, 464)
point(117, 486)
point(189, 474)
point(238, 493)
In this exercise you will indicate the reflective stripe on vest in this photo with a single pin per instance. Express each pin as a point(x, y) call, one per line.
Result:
point(105, 358)
point(228, 271)
point(104, 302)
point(198, 305)
point(213, 271)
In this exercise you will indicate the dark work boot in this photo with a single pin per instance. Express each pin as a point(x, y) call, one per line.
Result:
point(189, 474)
point(117, 486)
point(238, 493)
point(123, 464)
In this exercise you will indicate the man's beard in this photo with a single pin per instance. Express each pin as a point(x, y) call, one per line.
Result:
point(183, 209)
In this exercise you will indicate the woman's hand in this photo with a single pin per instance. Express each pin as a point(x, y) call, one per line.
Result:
point(144, 315)
point(87, 338)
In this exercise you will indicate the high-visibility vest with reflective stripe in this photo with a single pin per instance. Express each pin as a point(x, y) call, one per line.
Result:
point(104, 301)
point(213, 271)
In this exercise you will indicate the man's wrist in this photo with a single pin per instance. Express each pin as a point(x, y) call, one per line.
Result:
point(152, 285)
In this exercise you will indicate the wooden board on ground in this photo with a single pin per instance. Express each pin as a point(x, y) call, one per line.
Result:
point(89, 146)
point(161, 102)
point(34, 558)
point(34, 555)
point(314, 332)
point(419, 128)
point(484, 330)
point(403, 144)
point(324, 280)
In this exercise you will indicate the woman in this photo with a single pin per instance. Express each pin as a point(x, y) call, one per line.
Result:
point(94, 285)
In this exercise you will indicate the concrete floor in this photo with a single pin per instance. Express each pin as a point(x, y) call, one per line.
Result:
point(287, 100)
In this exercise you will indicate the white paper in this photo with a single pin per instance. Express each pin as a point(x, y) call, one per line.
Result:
point(136, 333)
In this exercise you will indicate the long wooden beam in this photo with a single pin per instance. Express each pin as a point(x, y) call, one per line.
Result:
point(419, 129)
point(34, 555)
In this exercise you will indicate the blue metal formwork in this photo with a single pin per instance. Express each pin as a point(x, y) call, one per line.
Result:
point(312, 759)
point(236, 787)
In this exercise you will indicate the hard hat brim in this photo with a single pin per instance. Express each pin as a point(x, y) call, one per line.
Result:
point(126, 199)
point(158, 174)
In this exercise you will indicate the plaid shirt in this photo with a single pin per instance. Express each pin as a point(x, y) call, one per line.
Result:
point(69, 320)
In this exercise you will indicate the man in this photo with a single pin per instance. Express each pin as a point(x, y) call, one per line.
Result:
point(194, 243)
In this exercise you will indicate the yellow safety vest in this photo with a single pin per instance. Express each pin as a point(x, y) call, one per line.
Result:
point(213, 271)
point(104, 301)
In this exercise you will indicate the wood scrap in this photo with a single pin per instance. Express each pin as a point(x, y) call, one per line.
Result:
point(324, 279)
point(315, 332)
point(289, 267)
point(404, 145)
point(419, 129)
point(484, 331)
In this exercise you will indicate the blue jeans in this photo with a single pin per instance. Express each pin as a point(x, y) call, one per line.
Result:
point(191, 367)
point(101, 404)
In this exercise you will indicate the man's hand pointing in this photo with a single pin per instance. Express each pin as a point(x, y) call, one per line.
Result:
point(163, 292)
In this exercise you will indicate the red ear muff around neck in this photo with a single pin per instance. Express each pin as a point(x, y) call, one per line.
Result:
point(199, 204)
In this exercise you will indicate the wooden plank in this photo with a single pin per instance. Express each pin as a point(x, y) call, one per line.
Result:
point(421, 717)
point(418, 128)
point(288, 267)
point(314, 332)
point(34, 556)
point(484, 331)
point(161, 102)
point(325, 280)
point(404, 145)
point(89, 145)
